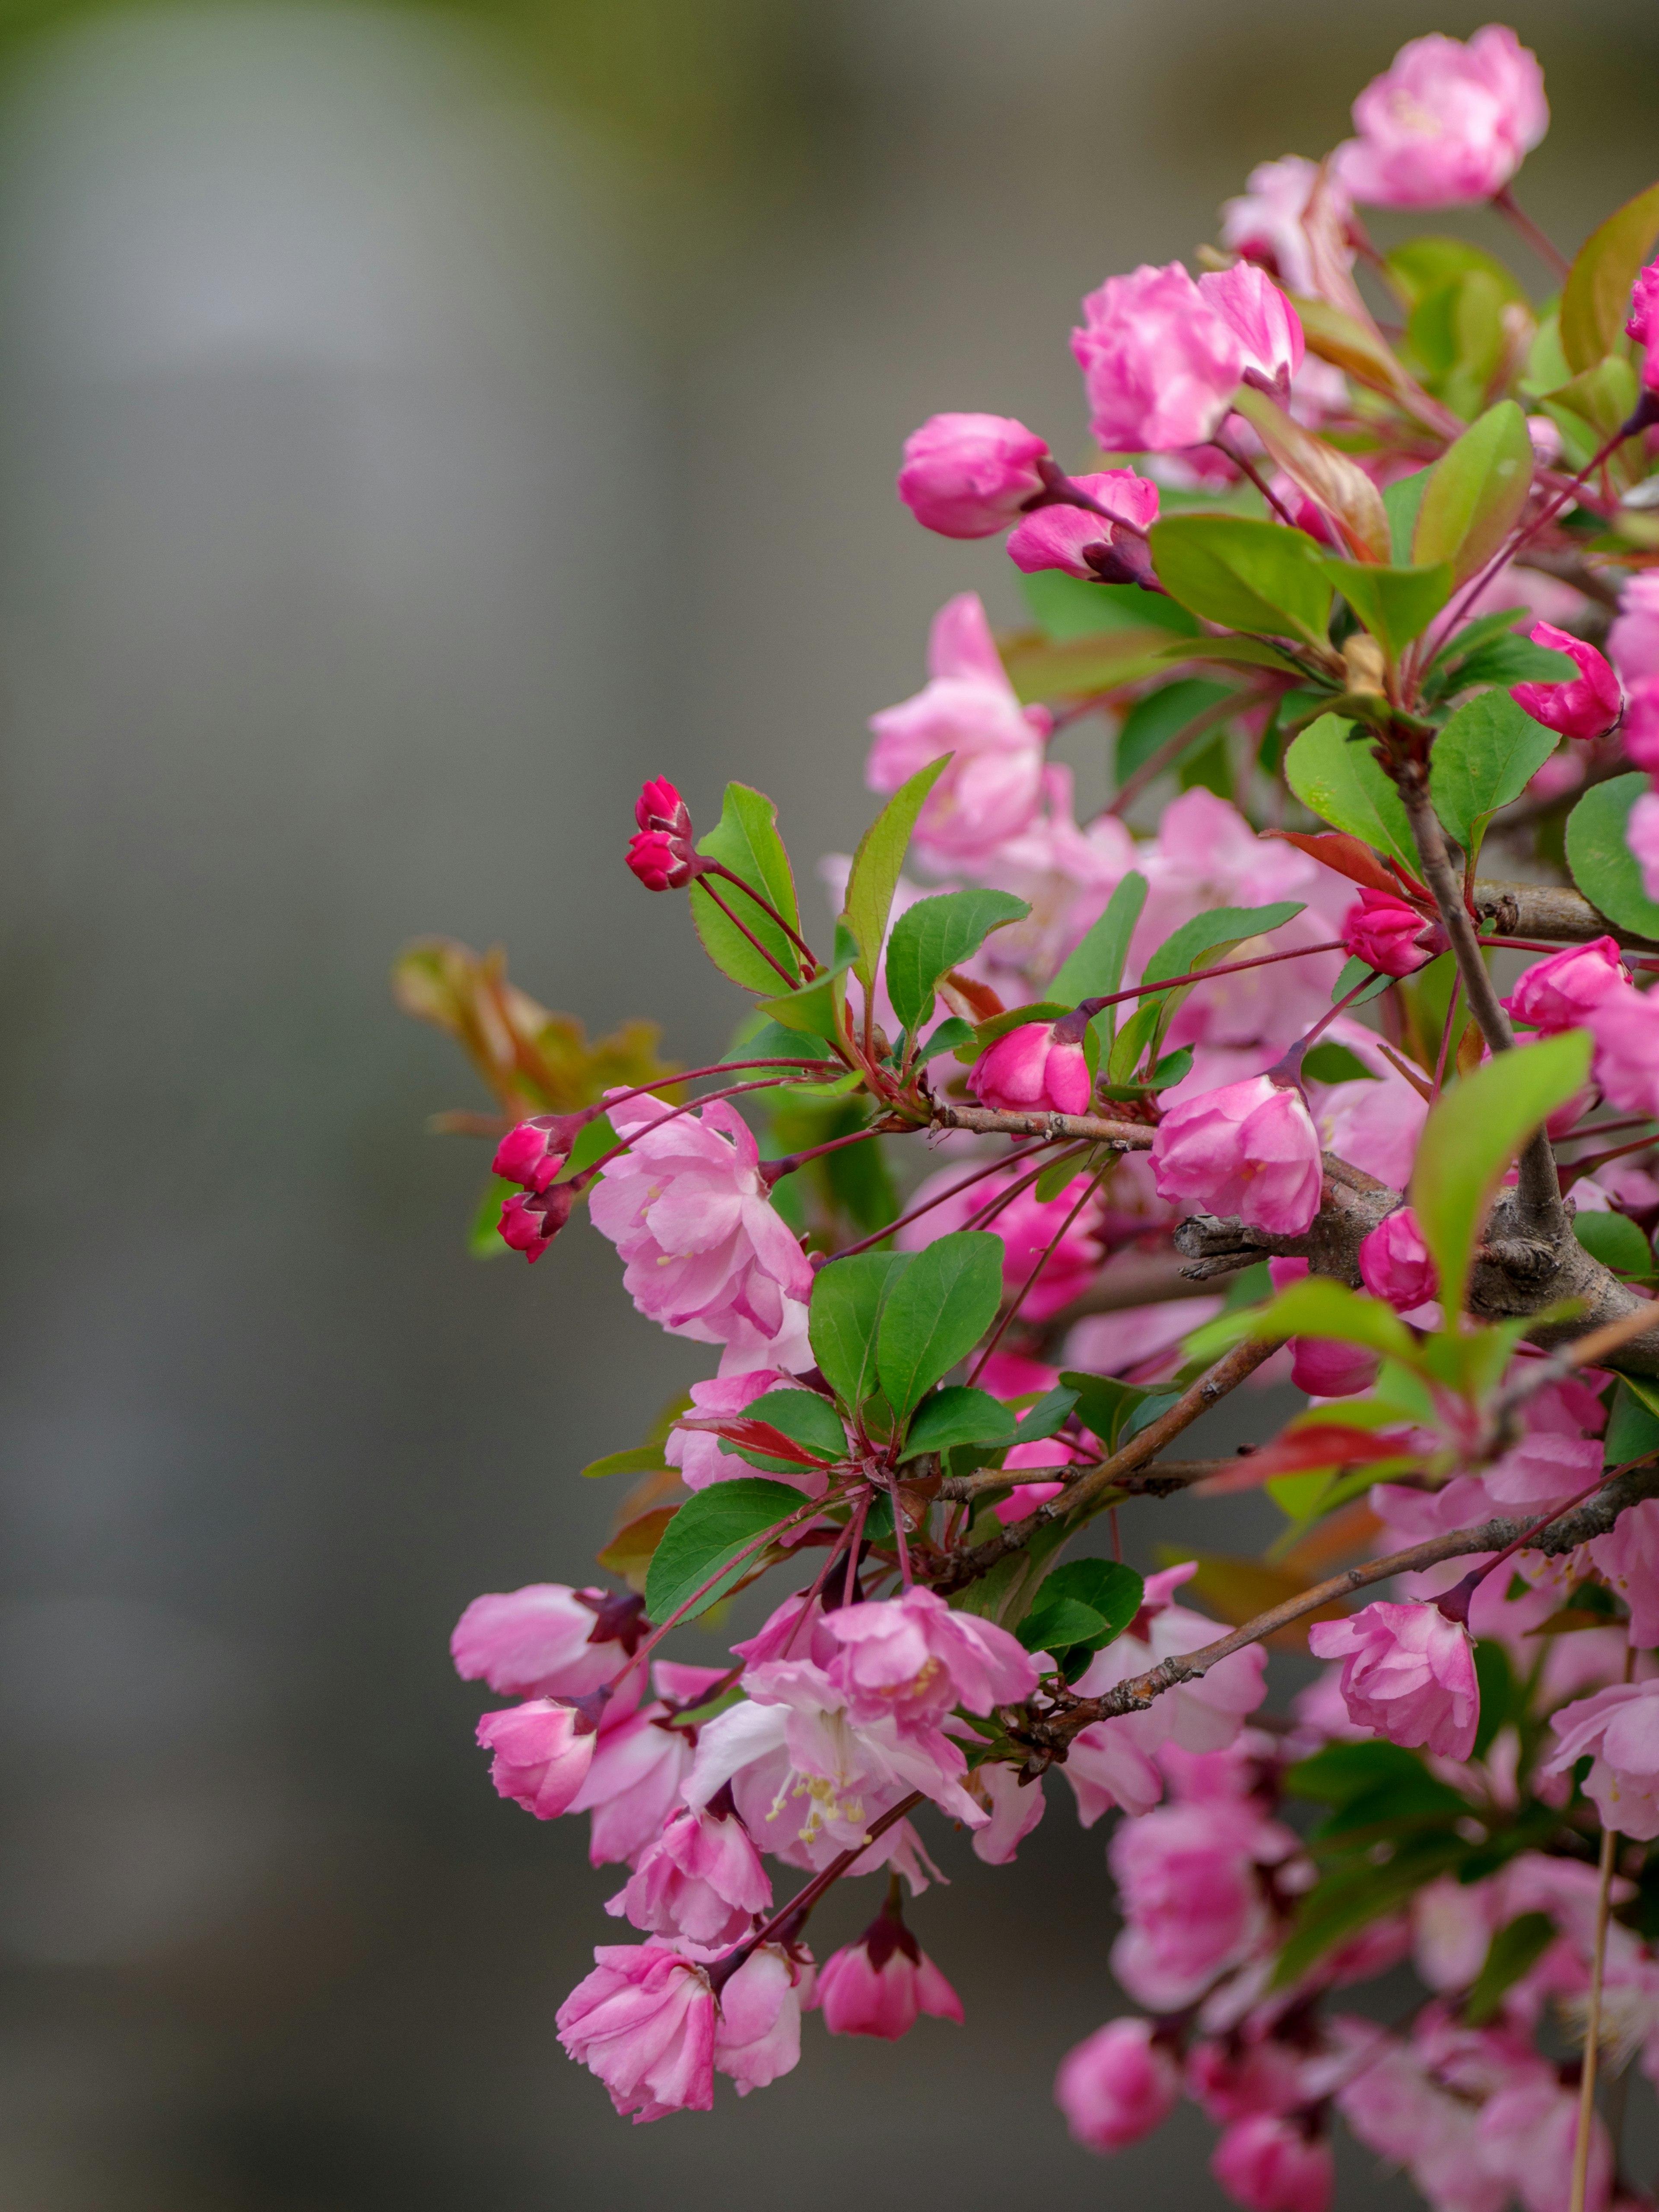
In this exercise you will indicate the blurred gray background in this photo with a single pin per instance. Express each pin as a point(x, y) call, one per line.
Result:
point(417, 426)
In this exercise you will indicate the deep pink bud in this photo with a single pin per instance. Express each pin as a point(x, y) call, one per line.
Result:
point(1390, 935)
point(1084, 544)
point(1408, 1673)
point(1117, 2086)
point(534, 1151)
point(662, 863)
point(1265, 324)
point(879, 1985)
point(659, 806)
point(1032, 1070)
point(968, 475)
point(1394, 1263)
point(543, 1751)
point(1248, 1149)
point(1587, 707)
point(531, 1223)
point(1643, 298)
point(1270, 2163)
point(1559, 992)
point(1325, 1367)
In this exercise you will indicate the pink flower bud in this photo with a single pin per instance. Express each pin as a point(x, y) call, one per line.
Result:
point(1390, 935)
point(1408, 1673)
point(968, 475)
point(1084, 544)
point(1620, 1729)
point(543, 1751)
point(1270, 2163)
point(533, 1153)
point(659, 806)
point(546, 1640)
point(1265, 324)
point(1032, 1070)
point(1586, 708)
point(1642, 836)
point(1558, 992)
point(1643, 298)
point(879, 1985)
point(662, 863)
point(1118, 2085)
point(1160, 364)
point(1249, 1149)
point(531, 1223)
point(1325, 1368)
point(1394, 1263)
point(1446, 122)
point(1625, 1026)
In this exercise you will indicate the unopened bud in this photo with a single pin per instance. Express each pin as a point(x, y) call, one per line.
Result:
point(534, 1151)
point(530, 1224)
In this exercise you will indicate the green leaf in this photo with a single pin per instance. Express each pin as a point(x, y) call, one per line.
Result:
point(1067, 607)
point(1395, 605)
point(1106, 1407)
point(1342, 1903)
point(1055, 1625)
point(1617, 1243)
point(814, 1011)
point(1153, 720)
point(1342, 782)
point(1047, 1417)
point(1096, 969)
point(951, 1036)
point(1484, 758)
point(1473, 1133)
point(1215, 933)
point(1245, 575)
point(1343, 1772)
point(1596, 298)
point(1351, 974)
point(1603, 867)
point(1401, 501)
point(877, 863)
point(746, 840)
point(708, 1530)
point(1475, 493)
point(1423, 266)
point(1038, 670)
point(941, 1306)
point(809, 1420)
point(845, 1313)
point(935, 935)
point(1334, 1063)
point(1518, 1946)
point(638, 1459)
point(1080, 1609)
point(958, 1415)
point(1632, 1428)
point(1318, 1305)
point(1245, 652)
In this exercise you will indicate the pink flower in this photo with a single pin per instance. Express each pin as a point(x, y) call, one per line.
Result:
point(1015, 1807)
point(1408, 1672)
point(1249, 1149)
point(1234, 2079)
point(542, 1754)
point(660, 853)
point(1643, 298)
point(1266, 224)
point(1033, 1070)
point(633, 1784)
point(644, 2022)
point(1160, 364)
point(1325, 1368)
point(1066, 536)
point(1543, 1467)
point(758, 2031)
point(1640, 733)
point(1628, 1555)
point(1027, 1227)
point(534, 1151)
point(993, 785)
point(1446, 122)
point(879, 1985)
point(968, 475)
point(1265, 324)
point(912, 1658)
point(1620, 1729)
point(1192, 1898)
point(702, 1878)
point(1586, 708)
point(529, 1223)
point(1529, 2135)
point(1642, 836)
point(1559, 992)
point(1388, 935)
point(1118, 2085)
point(1633, 640)
point(546, 1640)
point(706, 1255)
point(1394, 1263)
point(1269, 2164)
point(1626, 1027)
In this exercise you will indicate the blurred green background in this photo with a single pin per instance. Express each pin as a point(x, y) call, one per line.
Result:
point(416, 426)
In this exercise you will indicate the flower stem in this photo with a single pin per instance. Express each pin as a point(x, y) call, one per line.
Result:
point(1519, 220)
point(1581, 2149)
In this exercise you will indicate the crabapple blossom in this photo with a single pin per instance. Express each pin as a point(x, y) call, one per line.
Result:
point(545, 1640)
point(1273, 2164)
point(1265, 324)
point(911, 1658)
point(1626, 1027)
point(1034, 1069)
point(697, 1452)
point(531, 1220)
point(1446, 122)
point(1642, 836)
point(880, 1985)
point(1390, 936)
point(1082, 541)
point(534, 1151)
point(544, 1752)
point(1562, 991)
point(1628, 1555)
point(969, 476)
point(1160, 362)
point(1192, 1900)
point(643, 2020)
point(1586, 705)
point(1118, 2085)
point(1620, 1729)
point(701, 1878)
point(659, 854)
point(757, 2032)
point(1408, 1672)
point(1248, 1149)
point(1633, 639)
point(1643, 298)
point(1395, 1263)
point(1265, 224)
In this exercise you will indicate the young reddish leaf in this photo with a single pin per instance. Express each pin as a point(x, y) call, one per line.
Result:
point(1301, 1451)
point(1349, 857)
point(754, 1436)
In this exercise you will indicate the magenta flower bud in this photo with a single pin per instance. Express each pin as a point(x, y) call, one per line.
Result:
point(662, 863)
point(1408, 1674)
point(1325, 1368)
point(531, 1223)
point(1620, 1729)
point(1559, 992)
point(1446, 122)
point(1249, 1149)
point(1390, 935)
point(1642, 836)
point(1643, 298)
point(1160, 364)
point(1272, 2163)
point(1084, 543)
point(543, 1751)
point(1117, 2086)
point(968, 475)
point(1265, 324)
point(1394, 1263)
point(881, 1984)
point(1032, 1070)
point(659, 806)
point(1587, 707)
point(534, 1151)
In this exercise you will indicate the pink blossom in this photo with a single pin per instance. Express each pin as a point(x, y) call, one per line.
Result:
point(1626, 1027)
point(1374, 1125)
point(1187, 1877)
point(1266, 224)
point(660, 853)
point(1628, 1555)
point(757, 2029)
point(546, 1640)
point(1160, 364)
point(1620, 1729)
point(534, 1151)
point(1640, 733)
point(697, 1452)
point(1269, 2164)
point(968, 475)
point(532, 1219)
point(1027, 1227)
point(1118, 2085)
point(544, 1752)
point(1446, 122)
point(1034, 1069)
point(707, 1254)
point(993, 785)
point(1249, 1149)
point(1561, 992)
point(1325, 1368)
point(1543, 1467)
point(913, 1658)
point(1265, 324)
point(1642, 836)
point(1408, 1672)
point(879, 1985)
point(644, 2022)
point(1388, 935)
point(1586, 707)
point(1234, 2079)
point(1065, 536)
point(702, 1878)
point(1529, 2134)
point(1015, 1808)
point(633, 1784)
point(1643, 298)
point(1394, 1263)
point(1633, 640)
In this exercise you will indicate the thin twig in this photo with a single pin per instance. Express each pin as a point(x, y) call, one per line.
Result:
point(1581, 2148)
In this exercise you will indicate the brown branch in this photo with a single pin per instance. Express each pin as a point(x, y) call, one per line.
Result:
point(1165, 1477)
point(991, 1121)
point(1548, 910)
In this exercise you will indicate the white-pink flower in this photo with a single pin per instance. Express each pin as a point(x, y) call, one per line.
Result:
point(1265, 224)
point(546, 1640)
point(912, 1659)
point(701, 1878)
point(1628, 1555)
point(1408, 1672)
point(1192, 1897)
point(1446, 122)
point(1618, 1727)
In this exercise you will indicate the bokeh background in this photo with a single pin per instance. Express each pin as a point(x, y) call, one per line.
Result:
point(417, 425)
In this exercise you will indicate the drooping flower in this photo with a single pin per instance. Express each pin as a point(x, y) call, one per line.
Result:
point(1160, 363)
point(1396, 1264)
point(533, 1152)
point(543, 1750)
point(546, 1640)
point(1390, 935)
point(1626, 1027)
point(532, 1219)
point(1084, 542)
point(702, 1878)
point(1586, 705)
point(757, 2032)
point(1265, 324)
point(1628, 1555)
point(1034, 1069)
point(1408, 1672)
point(1192, 1900)
point(1118, 2085)
point(643, 2020)
point(639, 1765)
point(1620, 1729)
point(968, 475)
point(881, 1984)
point(1446, 122)
point(1265, 224)
point(1249, 1149)
point(912, 1658)
point(1561, 992)
point(1273, 2164)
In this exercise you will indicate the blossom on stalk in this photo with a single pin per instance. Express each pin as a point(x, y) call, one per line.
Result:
point(640, 1765)
point(1626, 1027)
point(660, 853)
point(1273, 2164)
point(1446, 122)
point(1034, 1069)
point(1395, 1263)
point(533, 1152)
point(969, 476)
point(1408, 1672)
point(1265, 223)
point(912, 1658)
point(1620, 1729)
point(702, 1878)
point(757, 2032)
point(1086, 544)
point(1628, 1555)
point(546, 1640)
point(1249, 1149)
point(1118, 2085)
point(543, 1750)
point(1390, 935)
point(1643, 298)
point(880, 1985)
point(1265, 324)
point(531, 1220)
point(1642, 836)
point(1587, 705)
point(1562, 991)
point(1160, 363)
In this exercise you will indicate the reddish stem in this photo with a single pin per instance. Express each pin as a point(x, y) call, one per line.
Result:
point(770, 958)
point(717, 868)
